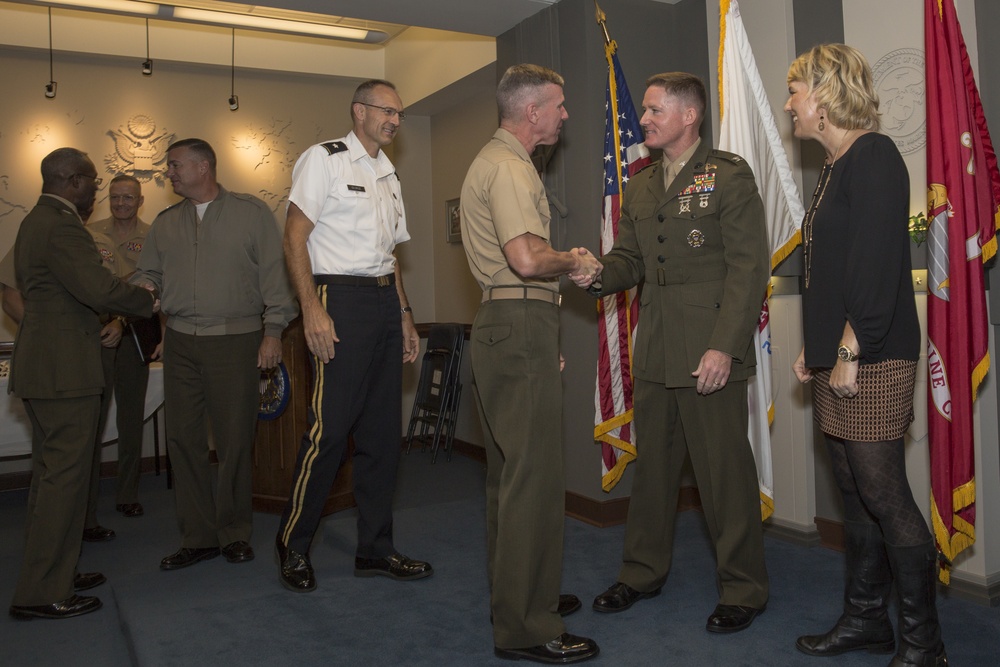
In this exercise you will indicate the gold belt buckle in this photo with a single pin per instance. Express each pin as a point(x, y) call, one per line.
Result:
point(382, 281)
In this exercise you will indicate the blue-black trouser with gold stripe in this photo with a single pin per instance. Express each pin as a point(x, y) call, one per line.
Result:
point(359, 393)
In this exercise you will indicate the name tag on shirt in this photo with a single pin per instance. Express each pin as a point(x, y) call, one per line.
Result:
point(356, 188)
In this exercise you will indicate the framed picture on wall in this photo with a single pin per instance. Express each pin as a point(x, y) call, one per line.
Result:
point(453, 221)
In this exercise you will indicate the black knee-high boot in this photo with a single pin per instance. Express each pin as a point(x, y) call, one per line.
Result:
point(914, 569)
point(865, 621)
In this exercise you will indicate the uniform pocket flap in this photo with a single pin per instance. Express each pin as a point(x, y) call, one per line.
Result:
point(492, 335)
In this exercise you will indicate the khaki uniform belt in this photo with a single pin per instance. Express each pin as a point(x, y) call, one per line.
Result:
point(522, 292)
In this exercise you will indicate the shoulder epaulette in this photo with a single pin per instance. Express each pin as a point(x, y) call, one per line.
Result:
point(334, 147)
point(726, 155)
point(245, 196)
point(170, 207)
point(652, 163)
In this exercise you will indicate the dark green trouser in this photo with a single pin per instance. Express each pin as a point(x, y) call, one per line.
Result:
point(515, 364)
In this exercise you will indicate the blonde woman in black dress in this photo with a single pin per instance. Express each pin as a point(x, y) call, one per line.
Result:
point(862, 344)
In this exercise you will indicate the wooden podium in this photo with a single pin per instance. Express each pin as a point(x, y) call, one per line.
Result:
point(277, 442)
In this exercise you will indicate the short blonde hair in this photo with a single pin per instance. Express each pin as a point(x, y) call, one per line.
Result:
point(840, 80)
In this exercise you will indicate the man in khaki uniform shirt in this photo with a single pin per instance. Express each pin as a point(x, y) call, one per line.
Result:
point(119, 239)
point(516, 364)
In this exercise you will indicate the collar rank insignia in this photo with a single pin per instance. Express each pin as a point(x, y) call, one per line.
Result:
point(695, 238)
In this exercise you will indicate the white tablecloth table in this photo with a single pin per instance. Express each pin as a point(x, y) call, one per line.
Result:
point(15, 427)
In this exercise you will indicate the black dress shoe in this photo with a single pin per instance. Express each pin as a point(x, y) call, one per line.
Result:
point(238, 552)
point(568, 604)
point(563, 649)
point(86, 580)
point(185, 557)
point(130, 509)
point(74, 606)
point(294, 569)
point(620, 597)
point(731, 618)
point(395, 566)
point(98, 534)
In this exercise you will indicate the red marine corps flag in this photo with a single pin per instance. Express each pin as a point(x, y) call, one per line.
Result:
point(963, 192)
point(618, 314)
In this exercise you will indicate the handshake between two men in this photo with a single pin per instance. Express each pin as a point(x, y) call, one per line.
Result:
point(588, 268)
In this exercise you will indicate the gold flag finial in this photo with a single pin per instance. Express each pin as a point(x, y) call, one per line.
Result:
point(601, 18)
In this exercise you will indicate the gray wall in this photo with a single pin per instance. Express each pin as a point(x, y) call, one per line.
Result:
point(651, 37)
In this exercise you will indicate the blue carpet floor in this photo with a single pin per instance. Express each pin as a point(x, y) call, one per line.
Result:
point(216, 613)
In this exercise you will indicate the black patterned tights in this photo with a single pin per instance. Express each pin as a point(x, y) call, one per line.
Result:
point(872, 480)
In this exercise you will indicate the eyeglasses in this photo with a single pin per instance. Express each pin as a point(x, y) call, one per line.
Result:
point(128, 199)
point(97, 179)
point(388, 111)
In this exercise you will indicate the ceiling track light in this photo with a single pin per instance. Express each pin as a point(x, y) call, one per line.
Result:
point(225, 19)
point(147, 64)
point(234, 101)
point(50, 87)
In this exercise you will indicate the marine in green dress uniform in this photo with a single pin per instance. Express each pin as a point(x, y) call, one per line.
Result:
point(692, 228)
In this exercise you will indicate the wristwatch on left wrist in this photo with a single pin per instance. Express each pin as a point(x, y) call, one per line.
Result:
point(846, 354)
point(405, 310)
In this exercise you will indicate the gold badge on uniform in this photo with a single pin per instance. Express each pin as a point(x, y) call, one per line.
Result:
point(695, 238)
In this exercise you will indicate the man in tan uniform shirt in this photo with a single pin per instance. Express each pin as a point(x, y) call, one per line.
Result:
point(516, 364)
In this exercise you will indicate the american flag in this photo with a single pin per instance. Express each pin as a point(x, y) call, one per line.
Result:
point(624, 155)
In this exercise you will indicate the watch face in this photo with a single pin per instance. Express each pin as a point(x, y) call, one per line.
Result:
point(845, 353)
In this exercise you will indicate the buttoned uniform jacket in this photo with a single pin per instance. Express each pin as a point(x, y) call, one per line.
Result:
point(701, 247)
point(57, 350)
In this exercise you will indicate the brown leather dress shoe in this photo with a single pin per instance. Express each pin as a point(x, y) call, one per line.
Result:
point(564, 649)
point(185, 557)
point(238, 552)
point(620, 597)
point(395, 566)
point(87, 580)
point(98, 534)
point(294, 569)
point(130, 510)
point(74, 606)
point(731, 618)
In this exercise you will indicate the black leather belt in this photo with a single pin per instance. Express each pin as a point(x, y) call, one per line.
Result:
point(356, 281)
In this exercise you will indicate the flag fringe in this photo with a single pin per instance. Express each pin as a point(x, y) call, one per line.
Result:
point(784, 251)
point(990, 249)
point(617, 443)
point(964, 536)
point(979, 373)
point(614, 475)
point(766, 507)
point(611, 424)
